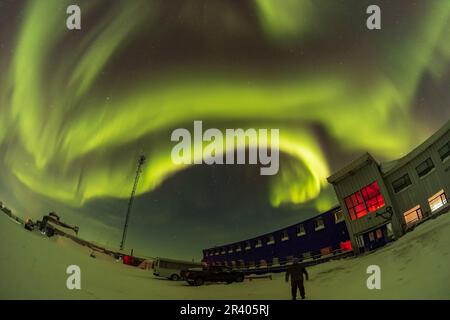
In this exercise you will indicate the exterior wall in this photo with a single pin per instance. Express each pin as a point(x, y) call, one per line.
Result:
point(422, 188)
point(351, 184)
point(313, 241)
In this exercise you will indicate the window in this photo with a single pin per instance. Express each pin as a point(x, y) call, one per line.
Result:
point(325, 251)
point(284, 235)
point(248, 245)
point(379, 234)
point(366, 200)
point(306, 255)
point(444, 152)
point(338, 216)
point(413, 215)
point(318, 224)
point(217, 252)
point(275, 262)
point(223, 251)
point(389, 230)
point(401, 183)
point(230, 249)
point(425, 167)
point(437, 201)
point(238, 248)
point(372, 197)
point(346, 246)
point(270, 239)
point(258, 243)
point(301, 230)
point(355, 206)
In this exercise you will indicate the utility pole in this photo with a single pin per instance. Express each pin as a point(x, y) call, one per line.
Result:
point(130, 202)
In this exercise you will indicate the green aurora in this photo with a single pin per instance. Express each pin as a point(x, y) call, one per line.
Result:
point(77, 108)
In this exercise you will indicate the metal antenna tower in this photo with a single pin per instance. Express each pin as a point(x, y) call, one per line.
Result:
point(130, 202)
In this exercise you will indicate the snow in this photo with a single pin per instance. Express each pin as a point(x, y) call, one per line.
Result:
point(34, 267)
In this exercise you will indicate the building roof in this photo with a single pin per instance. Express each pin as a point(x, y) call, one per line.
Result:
point(387, 168)
point(362, 161)
point(334, 209)
point(391, 166)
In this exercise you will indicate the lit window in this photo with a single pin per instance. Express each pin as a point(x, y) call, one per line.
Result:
point(401, 183)
point(325, 251)
point(301, 230)
point(223, 251)
point(355, 206)
point(230, 250)
point(306, 255)
point(275, 262)
point(437, 201)
point(379, 234)
point(372, 196)
point(238, 248)
point(346, 246)
point(262, 263)
point(248, 245)
point(270, 239)
point(319, 224)
point(338, 216)
point(444, 152)
point(284, 235)
point(413, 215)
point(425, 167)
point(258, 243)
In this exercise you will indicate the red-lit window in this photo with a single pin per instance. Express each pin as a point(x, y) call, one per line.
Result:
point(372, 197)
point(366, 200)
point(346, 246)
point(355, 206)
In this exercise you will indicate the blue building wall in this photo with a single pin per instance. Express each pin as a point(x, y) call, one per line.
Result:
point(331, 236)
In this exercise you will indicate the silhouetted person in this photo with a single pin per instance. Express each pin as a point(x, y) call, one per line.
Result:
point(296, 272)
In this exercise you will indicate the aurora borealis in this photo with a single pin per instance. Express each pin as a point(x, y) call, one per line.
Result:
point(78, 107)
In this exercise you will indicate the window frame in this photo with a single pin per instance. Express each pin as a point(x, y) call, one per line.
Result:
point(353, 212)
point(301, 233)
point(372, 201)
point(444, 157)
point(403, 186)
point(442, 196)
point(427, 170)
point(284, 235)
point(319, 227)
point(342, 218)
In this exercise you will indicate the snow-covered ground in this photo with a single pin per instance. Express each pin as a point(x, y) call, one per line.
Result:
point(34, 267)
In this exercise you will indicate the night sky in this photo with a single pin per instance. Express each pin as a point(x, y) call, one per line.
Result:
point(77, 108)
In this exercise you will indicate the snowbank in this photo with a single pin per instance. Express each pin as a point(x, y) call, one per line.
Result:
point(34, 267)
